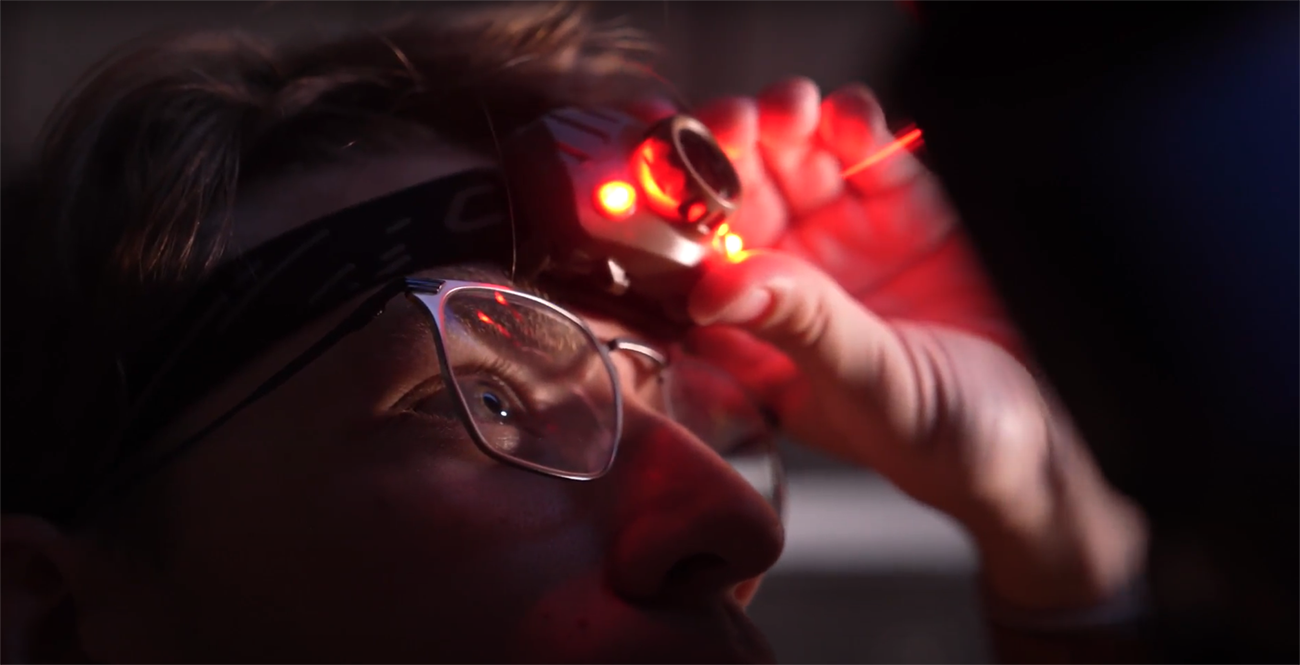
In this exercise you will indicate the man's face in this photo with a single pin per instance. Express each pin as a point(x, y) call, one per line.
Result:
point(336, 520)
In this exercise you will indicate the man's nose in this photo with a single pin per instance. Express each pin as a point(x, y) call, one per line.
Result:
point(689, 527)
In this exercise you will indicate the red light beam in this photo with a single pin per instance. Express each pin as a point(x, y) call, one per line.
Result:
point(909, 140)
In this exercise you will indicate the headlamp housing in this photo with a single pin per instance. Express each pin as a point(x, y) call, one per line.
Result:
point(611, 209)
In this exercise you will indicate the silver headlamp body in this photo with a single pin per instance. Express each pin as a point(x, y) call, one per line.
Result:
point(616, 213)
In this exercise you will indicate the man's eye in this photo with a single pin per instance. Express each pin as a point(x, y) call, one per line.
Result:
point(491, 402)
point(494, 405)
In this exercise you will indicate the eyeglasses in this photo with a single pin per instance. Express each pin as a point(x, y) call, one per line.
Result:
point(535, 388)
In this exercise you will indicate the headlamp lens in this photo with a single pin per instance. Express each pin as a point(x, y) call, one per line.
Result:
point(616, 199)
point(708, 162)
point(684, 173)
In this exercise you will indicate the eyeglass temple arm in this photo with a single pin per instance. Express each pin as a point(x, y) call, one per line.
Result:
point(654, 355)
point(128, 475)
point(639, 348)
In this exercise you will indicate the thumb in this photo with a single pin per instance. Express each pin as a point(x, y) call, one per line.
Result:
point(853, 360)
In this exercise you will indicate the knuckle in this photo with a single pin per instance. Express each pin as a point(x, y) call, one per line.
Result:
point(807, 324)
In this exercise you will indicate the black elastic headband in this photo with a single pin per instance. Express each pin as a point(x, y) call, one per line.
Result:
point(261, 297)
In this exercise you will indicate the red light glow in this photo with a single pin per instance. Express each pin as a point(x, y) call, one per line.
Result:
point(727, 243)
point(663, 183)
point(488, 320)
point(616, 199)
point(695, 212)
point(732, 245)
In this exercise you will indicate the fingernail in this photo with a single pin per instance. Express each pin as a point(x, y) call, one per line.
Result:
point(745, 308)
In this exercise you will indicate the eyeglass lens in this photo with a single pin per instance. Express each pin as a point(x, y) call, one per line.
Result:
point(534, 383)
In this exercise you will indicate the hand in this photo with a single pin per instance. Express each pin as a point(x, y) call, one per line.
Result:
point(864, 321)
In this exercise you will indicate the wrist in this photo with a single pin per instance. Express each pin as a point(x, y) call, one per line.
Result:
point(1086, 557)
point(1071, 542)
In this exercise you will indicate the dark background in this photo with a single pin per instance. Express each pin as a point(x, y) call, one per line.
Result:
point(1140, 213)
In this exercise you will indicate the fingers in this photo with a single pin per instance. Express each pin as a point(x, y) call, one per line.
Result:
point(734, 121)
point(789, 117)
point(791, 149)
point(852, 127)
point(858, 388)
point(807, 315)
point(844, 241)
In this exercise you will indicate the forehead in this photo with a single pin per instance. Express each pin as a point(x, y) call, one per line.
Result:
point(603, 326)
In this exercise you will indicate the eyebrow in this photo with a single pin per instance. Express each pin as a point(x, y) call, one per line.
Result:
point(643, 375)
point(495, 275)
point(486, 273)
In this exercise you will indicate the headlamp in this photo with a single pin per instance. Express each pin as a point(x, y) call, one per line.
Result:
point(609, 208)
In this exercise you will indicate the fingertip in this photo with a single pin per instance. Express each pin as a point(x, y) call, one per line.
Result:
point(734, 123)
point(791, 90)
point(858, 99)
point(852, 121)
point(788, 111)
point(741, 289)
point(752, 304)
point(792, 288)
point(723, 281)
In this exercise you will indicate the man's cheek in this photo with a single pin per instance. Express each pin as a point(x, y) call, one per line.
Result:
point(473, 514)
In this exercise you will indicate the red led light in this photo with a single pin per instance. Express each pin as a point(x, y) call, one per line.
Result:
point(732, 245)
point(696, 212)
point(727, 243)
point(616, 199)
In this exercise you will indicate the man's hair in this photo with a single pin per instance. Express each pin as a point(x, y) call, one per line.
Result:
point(128, 200)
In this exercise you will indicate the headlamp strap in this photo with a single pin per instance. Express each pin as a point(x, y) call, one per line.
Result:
point(254, 301)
